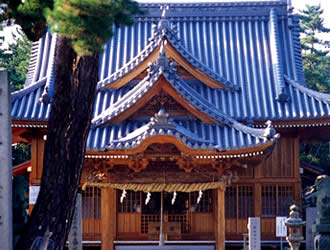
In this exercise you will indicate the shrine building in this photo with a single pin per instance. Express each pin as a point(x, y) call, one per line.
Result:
point(199, 112)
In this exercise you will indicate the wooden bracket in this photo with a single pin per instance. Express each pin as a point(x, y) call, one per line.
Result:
point(221, 165)
point(138, 164)
point(186, 164)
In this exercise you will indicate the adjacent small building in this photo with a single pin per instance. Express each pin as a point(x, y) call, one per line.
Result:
point(204, 102)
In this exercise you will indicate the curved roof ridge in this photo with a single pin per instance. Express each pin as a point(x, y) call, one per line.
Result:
point(268, 133)
point(162, 67)
point(214, 4)
point(130, 66)
point(30, 88)
point(175, 42)
point(196, 99)
point(32, 63)
point(127, 100)
point(160, 32)
point(160, 124)
point(168, 70)
point(47, 94)
point(276, 57)
point(165, 29)
point(324, 97)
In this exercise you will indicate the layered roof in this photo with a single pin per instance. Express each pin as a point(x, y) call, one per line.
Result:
point(243, 57)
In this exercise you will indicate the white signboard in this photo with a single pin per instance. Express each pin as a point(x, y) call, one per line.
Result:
point(281, 230)
point(33, 194)
point(254, 233)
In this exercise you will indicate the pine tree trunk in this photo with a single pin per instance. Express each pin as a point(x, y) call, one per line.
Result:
point(68, 127)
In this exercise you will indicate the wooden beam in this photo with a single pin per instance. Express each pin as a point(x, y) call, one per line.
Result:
point(109, 217)
point(220, 225)
point(18, 135)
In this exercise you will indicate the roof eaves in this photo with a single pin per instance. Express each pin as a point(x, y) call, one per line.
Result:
point(127, 100)
point(20, 93)
point(130, 66)
point(161, 124)
point(325, 98)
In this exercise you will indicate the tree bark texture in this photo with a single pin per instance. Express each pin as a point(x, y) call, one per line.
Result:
point(68, 126)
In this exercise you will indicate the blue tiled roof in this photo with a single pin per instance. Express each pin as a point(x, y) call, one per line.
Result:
point(251, 46)
point(194, 134)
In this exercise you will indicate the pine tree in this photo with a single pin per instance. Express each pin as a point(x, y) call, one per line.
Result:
point(83, 26)
point(316, 59)
point(316, 62)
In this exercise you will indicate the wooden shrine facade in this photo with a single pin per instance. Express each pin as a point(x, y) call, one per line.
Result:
point(255, 187)
point(183, 105)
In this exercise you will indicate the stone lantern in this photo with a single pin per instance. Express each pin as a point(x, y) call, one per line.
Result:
point(322, 224)
point(295, 227)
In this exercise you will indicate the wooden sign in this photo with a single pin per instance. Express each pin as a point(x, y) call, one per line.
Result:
point(254, 233)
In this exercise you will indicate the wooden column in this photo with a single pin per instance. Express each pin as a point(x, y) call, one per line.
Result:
point(220, 219)
point(257, 200)
point(108, 217)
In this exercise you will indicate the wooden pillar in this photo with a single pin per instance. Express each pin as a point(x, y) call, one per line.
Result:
point(108, 217)
point(257, 200)
point(220, 219)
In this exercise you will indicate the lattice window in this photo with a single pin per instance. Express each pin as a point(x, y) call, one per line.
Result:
point(239, 202)
point(285, 198)
point(91, 203)
point(231, 202)
point(183, 219)
point(276, 200)
point(145, 219)
point(131, 203)
point(206, 202)
point(245, 201)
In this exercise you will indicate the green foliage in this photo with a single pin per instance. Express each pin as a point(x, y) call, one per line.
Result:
point(315, 154)
point(311, 25)
point(89, 23)
point(21, 153)
point(317, 72)
point(16, 61)
point(29, 15)
point(316, 60)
